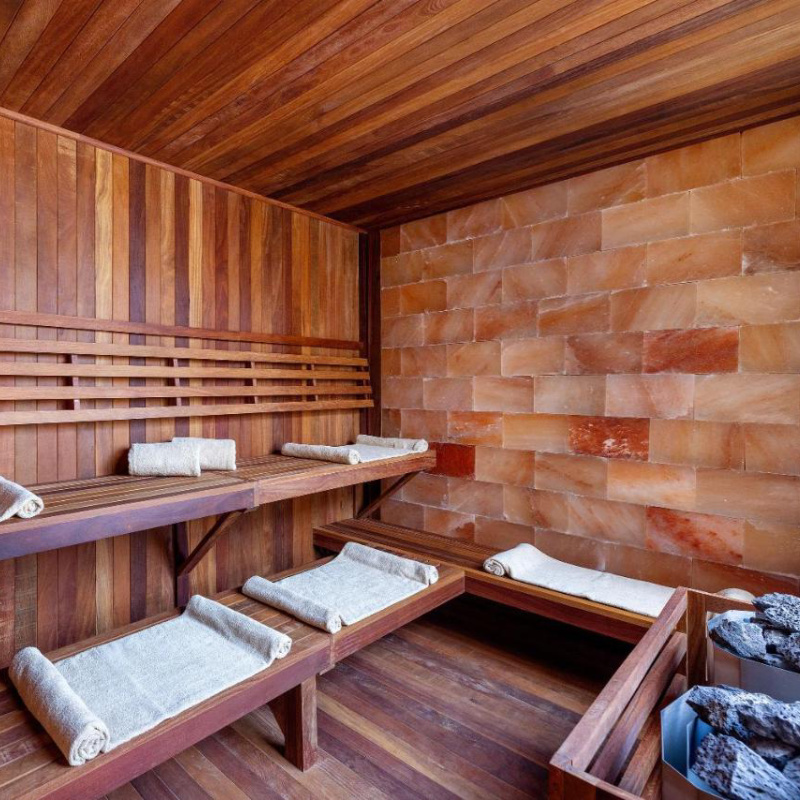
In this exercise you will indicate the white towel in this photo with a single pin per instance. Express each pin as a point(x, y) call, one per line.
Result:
point(527, 564)
point(344, 454)
point(214, 453)
point(16, 499)
point(304, 608)
point(415, 445)
point(165, 459)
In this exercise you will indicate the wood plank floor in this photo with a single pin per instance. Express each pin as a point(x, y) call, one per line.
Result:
point(470, 701)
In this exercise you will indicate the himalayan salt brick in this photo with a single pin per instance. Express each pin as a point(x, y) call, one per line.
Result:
point(609, 437)
point(532, 507)
point(501, 535)
point(603, 353)
point(569, 236)
point(390, 421)
point(535, 205)
point(506, 321)
point(713, 161)
point(448, 394)
point(748, 398)
point(574, 474)
point(712, 576)
point(503, 249)
point(408, 515)
point(570, 394)
point(534, 281)
point(473, 359)
point(606, 520)
point(770, 348)
point(547, 433)
point(423, 233)
point(610, 269)
point(695, 258)
point(390, 242)
point(391, 362)
point(749, 299)
point(390, 301)
point(425, 362)
point(571, 315)
point(692, 351)
point(772, 547)
point(475, 497)
point(446, 260)
point(718, 445)
point(402, 331)
point(402, 393)
point(450, 326)
point(510, 467)
point(426, 490)
point(582, 551)
point(646, 221)
point(403, 268)
point(653, 396)
point(654, 308)
point(771, 248)
point(695, 535)
point(471, 291)
point(771, 147)
point(748, 201)
point(419, 424)
point(503, 394)
point(651, 484)
point(750, 495)
point(666, 569)
point(772, 448)
point(416, 298)
point(533, 356)
point(454, 460)
point(476, 220)
point(475, 427)
point(604, 188)
point(449, 523)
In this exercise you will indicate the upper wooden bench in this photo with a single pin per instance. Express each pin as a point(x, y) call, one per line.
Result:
point(614, 622)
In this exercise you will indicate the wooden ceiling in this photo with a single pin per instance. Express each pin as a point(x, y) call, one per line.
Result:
point(378, 112)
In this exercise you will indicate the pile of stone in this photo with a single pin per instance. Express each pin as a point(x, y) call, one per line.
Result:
point(753, 752)
point(771, 635)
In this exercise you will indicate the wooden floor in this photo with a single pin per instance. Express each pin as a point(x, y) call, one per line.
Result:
point(470, 701)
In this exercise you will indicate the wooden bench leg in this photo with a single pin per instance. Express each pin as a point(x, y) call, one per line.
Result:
point(298, 716)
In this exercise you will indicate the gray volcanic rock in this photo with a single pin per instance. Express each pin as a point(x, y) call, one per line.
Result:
point(721, 707)
point(743, 638)
point(789, 649)
point(775, 720)
point(774, 639)
point(779, 754)
point(780, 610)
point(775, 660)
point(792, 771)
point(776, 599)
point(734, 770)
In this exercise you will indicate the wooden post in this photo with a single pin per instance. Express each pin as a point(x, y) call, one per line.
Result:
point(299, 716)
point(696, 644)
point(180, 546)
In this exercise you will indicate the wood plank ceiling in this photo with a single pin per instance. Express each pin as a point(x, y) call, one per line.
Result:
point(378, 112)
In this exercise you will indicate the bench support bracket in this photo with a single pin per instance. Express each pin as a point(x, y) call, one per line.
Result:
point(373, 506)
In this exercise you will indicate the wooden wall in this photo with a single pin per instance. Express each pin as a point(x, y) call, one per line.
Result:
point(90, 231)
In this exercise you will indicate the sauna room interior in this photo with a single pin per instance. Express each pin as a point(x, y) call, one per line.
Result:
point(400, 399)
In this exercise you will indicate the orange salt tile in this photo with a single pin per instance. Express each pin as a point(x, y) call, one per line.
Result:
point(503, 394)
point(651, 484)
point(692, 351)
point(604, 188)
point(505, 321)
point(427, 490)
point(475, 427)
point(570, 315)
point(391, 363)
point(696, 535)
point(473, 359)
point(570, 394)
point(428, 362)
point(749, 299)
point(402, 331)
point(748, 398)
point(540, 432)
point(646, 221)
point(476, 220)
point(579, 550)
point(711, 576)
point(606, 520)
point(419, 424)
point(470, 291)
point(390, 421)
point(390, 242)
point(772, 547)
point(700, 444)
point(654, 308)
point(611, 269)
point(501, 535)
point(409, 515)
point(534, 281)
point(770, 348)
point(772, 448)
point(402, 393)
point(512, 467)
point(449, 394)
point(446, 260)
point(609, 437)
point(771, 248)
point(659, 396)
point(747, 201)
point(771, 147)
point(543, 356)
point(454, 460)
point(423, 233)
point(449, 523)
point(666, 569)
point(692, 258)
point(569, 236)
point(416, 298)
point(532, 507)
point(390, 301)
point(535, 205)
point(403, 268)
point(475, 497)
point(503, 249)
point(575, 474)
point(603, 353)
point(713, 161)
point(443, 327)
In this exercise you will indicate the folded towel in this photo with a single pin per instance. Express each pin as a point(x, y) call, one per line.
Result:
point(426, 574)
point(164, 458)
point(304, 608)
point(16, 499)
point(527, 564)
point(415, 445)
point(214, 453)
point(79, 733)
point(344, 454)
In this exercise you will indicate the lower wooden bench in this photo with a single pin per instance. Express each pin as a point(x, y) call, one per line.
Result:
point(614, 622)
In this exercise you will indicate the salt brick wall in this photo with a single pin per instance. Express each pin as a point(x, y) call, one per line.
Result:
point(610, 365)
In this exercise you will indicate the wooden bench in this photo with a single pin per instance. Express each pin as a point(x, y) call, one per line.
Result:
point(609, 621)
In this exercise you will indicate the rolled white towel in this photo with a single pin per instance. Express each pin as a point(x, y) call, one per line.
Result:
point(165, 459)
point(283, 598)
point(415, 445)
point(322, 452)
point(79, 733)
point(214, 453)
point(16, 499)
point(389, 562)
